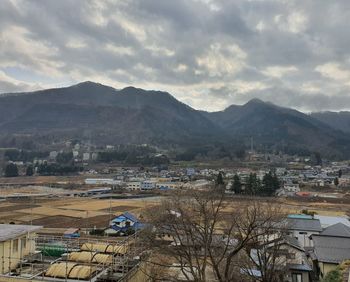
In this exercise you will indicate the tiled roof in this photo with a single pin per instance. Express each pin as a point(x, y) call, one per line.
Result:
point(331, 249)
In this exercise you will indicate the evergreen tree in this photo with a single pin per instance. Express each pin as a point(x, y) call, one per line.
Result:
point(11, 170)
point(220, 179)
point(29, 170)
point(253, 184)
point(270, 184)
point(237, 185)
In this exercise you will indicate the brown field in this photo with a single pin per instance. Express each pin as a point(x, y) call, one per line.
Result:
point(68, 212)
point(69, 221)
point(65, 212)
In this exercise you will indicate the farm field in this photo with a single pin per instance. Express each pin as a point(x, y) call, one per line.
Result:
point(84, 212)
point(68, 212)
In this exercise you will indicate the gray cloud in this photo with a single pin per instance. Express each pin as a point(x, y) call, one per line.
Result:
point(208, 53)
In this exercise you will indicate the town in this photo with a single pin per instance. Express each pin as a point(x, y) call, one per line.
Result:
point(89, 223)
point(173, 141)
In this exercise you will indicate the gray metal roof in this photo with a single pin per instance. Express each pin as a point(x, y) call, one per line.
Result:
point(304, 224)
point(330, 220)
point(331, 249)
point(337, 230)
point(293, 242)
point(12, 231)
point(301, 267)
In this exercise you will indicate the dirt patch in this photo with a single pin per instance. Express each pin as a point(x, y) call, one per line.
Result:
point(120, 209)
point(68, 222)
point(17, 207)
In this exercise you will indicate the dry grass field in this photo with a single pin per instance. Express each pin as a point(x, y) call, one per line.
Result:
point(68, 212)
point(65, 212)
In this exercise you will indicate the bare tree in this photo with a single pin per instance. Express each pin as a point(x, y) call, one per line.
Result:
point(204, 234)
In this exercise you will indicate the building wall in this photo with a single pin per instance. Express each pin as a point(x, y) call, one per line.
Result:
point(326, 267)
point(304, 239)
point(12, 251)
point(135, 185)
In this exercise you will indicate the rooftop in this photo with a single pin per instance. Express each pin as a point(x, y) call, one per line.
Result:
point(337, 230)
point(10, 231)
point(305, 224)
point(330, 249)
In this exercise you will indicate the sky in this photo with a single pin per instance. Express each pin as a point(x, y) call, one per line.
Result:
point(207, 53)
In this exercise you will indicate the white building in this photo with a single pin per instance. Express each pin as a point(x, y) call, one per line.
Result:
point(301, 227)
point(99, 181)
point(148, 184)
point(133, 185)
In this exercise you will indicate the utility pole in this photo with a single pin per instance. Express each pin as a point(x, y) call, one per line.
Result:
point(251, 144)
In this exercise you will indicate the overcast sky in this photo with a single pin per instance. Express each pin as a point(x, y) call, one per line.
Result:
point(207, 53)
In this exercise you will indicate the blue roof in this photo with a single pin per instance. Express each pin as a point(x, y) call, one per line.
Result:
point(300, 216)
point(131, 217)
point(125, 216)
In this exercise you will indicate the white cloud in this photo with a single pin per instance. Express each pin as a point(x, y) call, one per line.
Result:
point(279, 71)
point(120, 50)
point(295, 22)
point(334, 71)
point(222, 60)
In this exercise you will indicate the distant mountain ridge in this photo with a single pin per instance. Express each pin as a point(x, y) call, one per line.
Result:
point(338, 120)
point(106, 115)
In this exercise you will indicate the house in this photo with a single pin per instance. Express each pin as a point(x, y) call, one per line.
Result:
point(16, 242)
point(331, 248)
point(301, 227)
point(331, 220)
point(290, 259)
point(123, 223)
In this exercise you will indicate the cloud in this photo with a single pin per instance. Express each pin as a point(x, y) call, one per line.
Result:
point(208, 53)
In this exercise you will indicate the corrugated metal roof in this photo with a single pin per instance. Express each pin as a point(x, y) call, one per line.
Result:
point(330, 220)
point(304, 224)
point(11, 231)
point(337, 230)
point(331, 249)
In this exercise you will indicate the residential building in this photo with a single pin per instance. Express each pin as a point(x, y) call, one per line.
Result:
point(331, 248)
point(301, 227)
point(123, 223)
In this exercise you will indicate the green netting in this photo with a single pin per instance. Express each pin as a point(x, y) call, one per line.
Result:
point(52, 250)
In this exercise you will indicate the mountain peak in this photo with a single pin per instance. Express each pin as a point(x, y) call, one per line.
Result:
point(255, 101)
point(90, 83)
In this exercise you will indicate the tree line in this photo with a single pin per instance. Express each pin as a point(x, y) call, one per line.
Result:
point(254, 186)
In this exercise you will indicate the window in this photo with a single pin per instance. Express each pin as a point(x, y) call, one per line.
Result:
point(24, 243)
point(15, 246)
point(297, 277)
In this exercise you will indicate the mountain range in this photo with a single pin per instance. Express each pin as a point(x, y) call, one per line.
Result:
point(104, 115)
